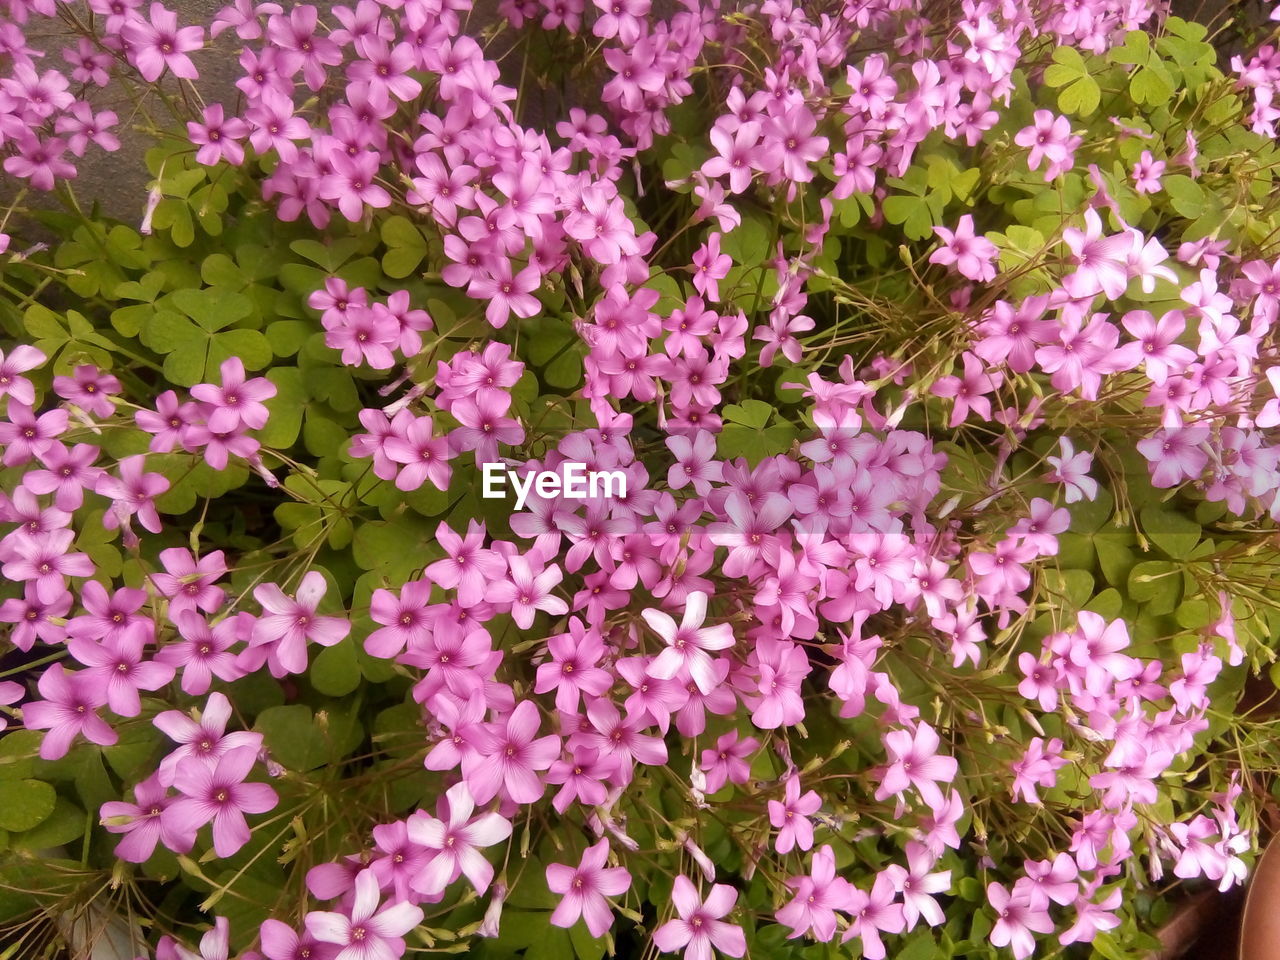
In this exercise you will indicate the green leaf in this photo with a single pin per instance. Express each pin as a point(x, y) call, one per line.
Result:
point(1185, 195)
point(18, 751)
point(1079, 92)
point(25, 803)
point(1175, 534)
point(553, 944)
point(749, 413)
point(1157, 582)
point(406, 246)
point(65, 823)
point(284, 409)
point(335, 671)
point(213, 307)
point(287, 336)
point(585, 946)
point(292, 737)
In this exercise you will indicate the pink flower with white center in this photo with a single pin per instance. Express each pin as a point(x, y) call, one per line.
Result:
point(26, 435)
point(237, 402)
point(140, 822)
point(572, 669)
point(19, 360)
point(818, 897)
point(1040, 681)
point(367, 933)
point(281, 942)
point(90, 389)
point(971, 254)
point(425, 455)
point(791, 817)
point(510, 762)
point(467, 567)
point(218, 793)
point(874, 913)
point(289, 624)
point(1095, 649)
point(67, 472)
point(527, 592)
point(200, 740)
point(118, 667)
point(1147, 173)
point(156, 42)
point(583, 889)
point(688, 644)
point(406, 619)
point(507, 292)
point(1048, 138)
point(1101, 262)
point(188, 582)
point(1071, 469)
point(70, 707)
point(1037, 767)
point(726, 762)
point(917, 886)
point(914, 762)
point(710, 267)
point(1018, 917)
point(699, 927)
point(132, 494)
point(750, 531)
point(1176, 454)
point(695, 462)
point(45, 560)
point(619, 737)
point(456, 844)
point(968, 391)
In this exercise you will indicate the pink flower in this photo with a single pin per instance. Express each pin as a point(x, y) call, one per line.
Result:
point(971, 254)
point(237, 402)
point(20, 359)
point(727, 760)
point(572, 669)
point(70, 707)
point(584, 889)
point(157, 42)
point(968, 390)
point(204, 740)
point(1018, 917)
point(917, 886)
point(1147, 173)
point(219, 793)
point(1049, 138)
point(117, 666)
point(1176, 454)
point(914, 761)
point(1072, 471)
point(188, 582)
point(527, 592)
point(367, 933)
point(874, 913)
point(456, 844)
point(710, 267)
point(687, 644)
point(511, 760)
point(699, 927)
point(817, 898)
point(141, 822)
point(791, 817)
point(288, 624)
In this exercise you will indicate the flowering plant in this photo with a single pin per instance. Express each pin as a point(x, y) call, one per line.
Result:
point(930, 356)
